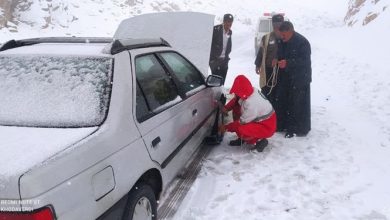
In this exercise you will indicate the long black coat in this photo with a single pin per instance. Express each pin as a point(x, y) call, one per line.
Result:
point(296, 78)
point(297, 52)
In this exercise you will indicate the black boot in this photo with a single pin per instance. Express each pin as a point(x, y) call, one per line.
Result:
point(261, 144)
point(289, 135)
point(236, 142)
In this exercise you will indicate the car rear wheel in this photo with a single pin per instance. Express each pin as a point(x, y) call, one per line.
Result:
point(141, 204)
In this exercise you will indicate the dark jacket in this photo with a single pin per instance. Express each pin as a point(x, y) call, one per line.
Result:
point(217, 43)
point(297, 53)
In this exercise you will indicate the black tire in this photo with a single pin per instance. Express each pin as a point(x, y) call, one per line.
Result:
point(216, 137)
point(140, 197)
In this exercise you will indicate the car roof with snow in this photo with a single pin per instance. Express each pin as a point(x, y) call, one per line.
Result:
point(62, 45)
point(77, 46)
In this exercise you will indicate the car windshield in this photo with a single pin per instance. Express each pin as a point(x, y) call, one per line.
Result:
point(54, 91)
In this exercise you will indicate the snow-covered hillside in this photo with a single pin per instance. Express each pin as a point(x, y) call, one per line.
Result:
point(363, 12)
point(20, 19)
point(339, 171)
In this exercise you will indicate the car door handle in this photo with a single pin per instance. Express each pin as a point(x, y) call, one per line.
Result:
point(194, 112)
point(156, 141)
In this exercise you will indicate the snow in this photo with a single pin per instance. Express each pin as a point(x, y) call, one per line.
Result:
point(341, 170)
point(21, 148)
point(62, 49)
point(54, 91)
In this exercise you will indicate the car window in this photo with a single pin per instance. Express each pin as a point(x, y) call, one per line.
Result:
point(54, 91)
point(265, 26)
point(142, 110)
point(189, 78)
point(156, 86)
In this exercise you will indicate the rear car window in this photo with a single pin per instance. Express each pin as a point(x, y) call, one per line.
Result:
point(54, 91)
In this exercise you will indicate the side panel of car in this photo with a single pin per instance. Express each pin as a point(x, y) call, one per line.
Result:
point(165, 131)
point(115, 154)
point(200, 98)
point(172, 136)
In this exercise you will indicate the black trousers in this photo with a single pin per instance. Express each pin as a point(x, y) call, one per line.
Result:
point(219, 67)
point(298, 110)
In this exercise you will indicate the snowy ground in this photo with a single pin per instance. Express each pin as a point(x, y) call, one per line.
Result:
point(341, 170)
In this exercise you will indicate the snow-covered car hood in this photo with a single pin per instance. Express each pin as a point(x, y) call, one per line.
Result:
point(188, 32)
point(22, 148)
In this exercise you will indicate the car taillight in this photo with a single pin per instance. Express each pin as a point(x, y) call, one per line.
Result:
point(41, 214)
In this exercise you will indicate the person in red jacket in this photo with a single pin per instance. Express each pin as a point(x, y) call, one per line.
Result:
point(257, 119)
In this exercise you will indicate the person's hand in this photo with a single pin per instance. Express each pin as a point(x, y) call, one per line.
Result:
point(258, 70)
point(282, 64)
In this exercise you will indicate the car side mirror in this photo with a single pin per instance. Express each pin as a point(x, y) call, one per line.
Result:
point(214, 81)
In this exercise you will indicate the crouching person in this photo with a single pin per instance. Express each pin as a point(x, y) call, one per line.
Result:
point(257, 120)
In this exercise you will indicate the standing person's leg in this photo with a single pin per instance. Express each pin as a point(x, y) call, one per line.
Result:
point(280, 102)
point(219, 67)
point(215, 67)
point(307, 126)
point(299, 111)
point(303, 111)
point(223, 70)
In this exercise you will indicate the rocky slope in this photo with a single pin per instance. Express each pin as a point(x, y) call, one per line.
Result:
point(21, 16)
point(363, 12)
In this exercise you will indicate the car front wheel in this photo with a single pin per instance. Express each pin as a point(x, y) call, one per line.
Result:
point(141, 204)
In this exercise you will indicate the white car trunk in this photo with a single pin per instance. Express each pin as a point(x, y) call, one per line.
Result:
point(22, 148)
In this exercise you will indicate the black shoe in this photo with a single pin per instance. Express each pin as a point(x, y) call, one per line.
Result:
point(236, 142)
point(289, 135)
point(301, 134)
point(261, 144)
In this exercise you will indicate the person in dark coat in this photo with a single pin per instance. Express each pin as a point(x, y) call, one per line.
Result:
point(221, 46)
point(271, 83)
point(294, 61)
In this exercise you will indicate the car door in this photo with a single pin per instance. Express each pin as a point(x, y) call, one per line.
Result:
point(191, 85)
point(164, 119)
